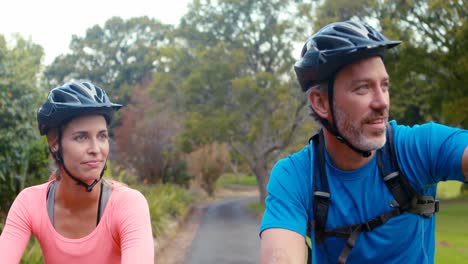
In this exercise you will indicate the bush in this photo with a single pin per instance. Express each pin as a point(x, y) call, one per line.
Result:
point(166, 202)
point(32, 168)
point(177, 174)
point(208, 163)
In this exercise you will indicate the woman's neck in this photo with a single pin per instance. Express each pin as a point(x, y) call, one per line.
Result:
point(73, 196)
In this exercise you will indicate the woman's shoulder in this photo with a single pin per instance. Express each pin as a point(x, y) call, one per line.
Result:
point(36, 190)
point(122, 191)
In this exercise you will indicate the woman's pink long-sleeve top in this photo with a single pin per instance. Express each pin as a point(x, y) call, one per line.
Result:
point(123, 234)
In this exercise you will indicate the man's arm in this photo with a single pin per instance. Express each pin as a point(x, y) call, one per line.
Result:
point(465, 164)
point(282, 246)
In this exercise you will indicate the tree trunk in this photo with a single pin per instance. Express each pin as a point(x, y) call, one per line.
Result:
point(259, 168)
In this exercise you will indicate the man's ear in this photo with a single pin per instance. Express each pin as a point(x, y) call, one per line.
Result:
point(319, 102)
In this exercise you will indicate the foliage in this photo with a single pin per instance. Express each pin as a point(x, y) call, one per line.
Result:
point(19, 95)
point(227, 180)
point(178, 174)
point(33, 253)
point(256, 208)
point(118, 56)
point(207, 163)
point(145, 140)
point(167, 202)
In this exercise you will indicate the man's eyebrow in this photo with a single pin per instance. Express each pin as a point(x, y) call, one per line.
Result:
point(366, 80)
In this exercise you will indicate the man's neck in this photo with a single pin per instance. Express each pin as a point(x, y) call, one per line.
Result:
point(341, 155)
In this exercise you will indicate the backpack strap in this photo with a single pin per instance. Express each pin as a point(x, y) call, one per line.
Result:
point(321, 198)
point(406, 197)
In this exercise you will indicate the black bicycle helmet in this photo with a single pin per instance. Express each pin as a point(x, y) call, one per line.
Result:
point(74, 99)
point(335, 46)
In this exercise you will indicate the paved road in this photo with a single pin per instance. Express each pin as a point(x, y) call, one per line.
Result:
point(228, 234)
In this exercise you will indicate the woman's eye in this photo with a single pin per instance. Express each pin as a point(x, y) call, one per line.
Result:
point(80, 138)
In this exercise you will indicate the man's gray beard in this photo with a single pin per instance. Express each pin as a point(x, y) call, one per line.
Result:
point(353, 132)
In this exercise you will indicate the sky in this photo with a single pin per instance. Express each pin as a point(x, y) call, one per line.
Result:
point(51, 23)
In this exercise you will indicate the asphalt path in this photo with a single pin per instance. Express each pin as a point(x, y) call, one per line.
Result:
point(227, 234)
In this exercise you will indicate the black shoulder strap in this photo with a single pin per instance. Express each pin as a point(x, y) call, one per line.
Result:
point(321, 198)
point(395, 181)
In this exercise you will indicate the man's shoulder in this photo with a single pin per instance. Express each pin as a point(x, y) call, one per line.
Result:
point(299, 158)
point(293, 168)
point(430, 126)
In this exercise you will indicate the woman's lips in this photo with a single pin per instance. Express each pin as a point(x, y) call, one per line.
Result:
point(92, 163)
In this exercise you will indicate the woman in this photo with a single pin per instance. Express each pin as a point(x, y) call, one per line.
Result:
point(76, 216)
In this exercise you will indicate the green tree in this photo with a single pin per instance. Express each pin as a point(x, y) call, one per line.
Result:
point(118, 56)
point(22, 156)
point(240, 89)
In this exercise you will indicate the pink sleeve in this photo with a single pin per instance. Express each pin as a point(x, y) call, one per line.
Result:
point(17, 230)
point(136, 236)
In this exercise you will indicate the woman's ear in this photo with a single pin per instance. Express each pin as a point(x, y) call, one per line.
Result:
point(52, 140)
point(54, 147)
point(319, 102)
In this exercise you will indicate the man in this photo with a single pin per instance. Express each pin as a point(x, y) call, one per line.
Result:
point(337, 185)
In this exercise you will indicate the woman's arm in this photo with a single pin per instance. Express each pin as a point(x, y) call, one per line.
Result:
point(17, 231)
point(136, 236)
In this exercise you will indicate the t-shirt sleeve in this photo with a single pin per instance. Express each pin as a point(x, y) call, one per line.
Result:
point(136, 237)
point(288, 199)
point(431, 149)
point(17, 230)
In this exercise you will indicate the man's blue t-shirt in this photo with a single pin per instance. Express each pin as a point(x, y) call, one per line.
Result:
point(426, 154)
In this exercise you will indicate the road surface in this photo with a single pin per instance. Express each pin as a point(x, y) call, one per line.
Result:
point(228, 234)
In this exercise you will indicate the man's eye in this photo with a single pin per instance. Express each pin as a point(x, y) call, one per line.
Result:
point(362, 88)
point(103, 136)
point(386, 86)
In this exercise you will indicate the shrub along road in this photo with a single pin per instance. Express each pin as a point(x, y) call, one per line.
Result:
point(228, 234)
